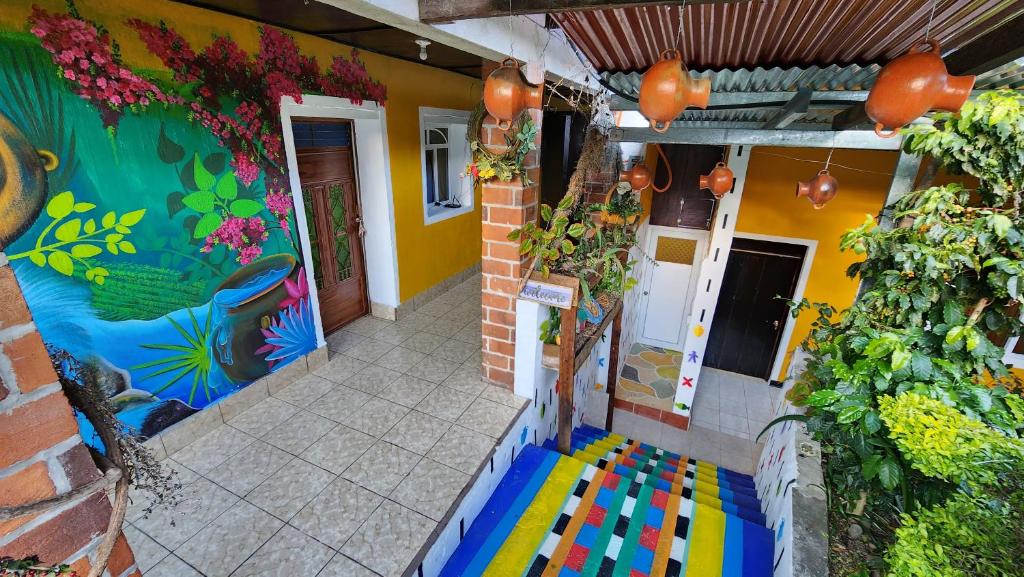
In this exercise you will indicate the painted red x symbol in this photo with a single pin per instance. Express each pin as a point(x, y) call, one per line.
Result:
point(688, 382)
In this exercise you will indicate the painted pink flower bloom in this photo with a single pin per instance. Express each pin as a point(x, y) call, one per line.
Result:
point(297, 290)
point(246, 170)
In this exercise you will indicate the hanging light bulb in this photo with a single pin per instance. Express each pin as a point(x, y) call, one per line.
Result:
point(423, 43)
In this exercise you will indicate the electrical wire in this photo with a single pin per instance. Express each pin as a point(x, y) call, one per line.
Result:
point(931, 16)
point(828, 162)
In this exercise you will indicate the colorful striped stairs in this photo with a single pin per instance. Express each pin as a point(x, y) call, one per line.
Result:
point(615, 508)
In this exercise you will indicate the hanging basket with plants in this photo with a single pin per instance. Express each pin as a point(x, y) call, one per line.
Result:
point(507, 165)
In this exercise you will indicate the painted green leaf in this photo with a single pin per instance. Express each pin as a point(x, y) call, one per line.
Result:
point(68, 231)
point(215, 162)
point(90, 226)
point(113, 237)
point(61, 262)
point(204, 178)
point(227, 187)
point(38, 258)
point(207, 225)
point(60, 205)
point(112, 248)
point(99, 279)
point(132, 218)
point(126, 246)
point(109, 219)
point(244, 208)
point(122, 229)
point(174, 204)
point(85, 250)
point(83, 207)
point(200, 201)
point(169, 151)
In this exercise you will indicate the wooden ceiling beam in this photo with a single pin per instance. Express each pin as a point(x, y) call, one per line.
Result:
point(440, 11)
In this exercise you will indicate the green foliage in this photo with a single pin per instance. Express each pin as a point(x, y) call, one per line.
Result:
point(214, 197)
point(78, 242)
point(551, 327)
point(143, 292)
point(942, 442)
point(507, 165)
point(31, 567)
point(193, 357)
point(984, 140)
point(968, 536)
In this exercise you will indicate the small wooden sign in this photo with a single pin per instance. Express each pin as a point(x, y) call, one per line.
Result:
point(557, 290)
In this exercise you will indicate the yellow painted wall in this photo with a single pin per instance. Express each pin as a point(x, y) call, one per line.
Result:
point(769, 206)
point(426, 254)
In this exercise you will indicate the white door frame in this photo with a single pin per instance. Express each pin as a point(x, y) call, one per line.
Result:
point(653, 232)
point(798, 291)
point(373, 175)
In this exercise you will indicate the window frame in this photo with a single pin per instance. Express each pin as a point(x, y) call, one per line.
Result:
point(457, 158)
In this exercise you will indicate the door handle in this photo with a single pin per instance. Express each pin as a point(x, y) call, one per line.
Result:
point(360, 229)
point(775, 325)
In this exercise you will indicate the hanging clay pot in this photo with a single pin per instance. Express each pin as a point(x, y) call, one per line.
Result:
point(667, 89)
point(507, 93)
point(638, 177)
point(819, 190)
point(718, 181)
point(913, 84)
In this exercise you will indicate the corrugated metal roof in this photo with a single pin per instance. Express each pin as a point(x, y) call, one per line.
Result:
point(784, 33)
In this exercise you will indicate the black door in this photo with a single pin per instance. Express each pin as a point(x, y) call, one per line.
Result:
point(684, 205)
point(747, 330)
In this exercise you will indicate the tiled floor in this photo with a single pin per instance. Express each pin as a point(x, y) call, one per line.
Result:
point(728, 413)
point(649, 376)
point(346, 472)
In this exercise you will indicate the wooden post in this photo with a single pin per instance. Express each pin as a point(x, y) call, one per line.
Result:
point(613, 368)
point(566, 376)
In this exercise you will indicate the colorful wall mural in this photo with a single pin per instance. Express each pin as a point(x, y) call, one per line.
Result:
point(146, 212)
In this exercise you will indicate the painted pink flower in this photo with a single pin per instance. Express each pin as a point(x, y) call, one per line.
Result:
point(246, 170)
point(297, 290)
point(244, 235)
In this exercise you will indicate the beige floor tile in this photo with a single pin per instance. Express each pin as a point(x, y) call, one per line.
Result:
point(213, 449)
point(338, 449)
point(263, 417)
point(339, 368)
point(369, 350)
point(372, 379)
point(223, 545)
point(407, 390)
point(446, 327)
point(199, 503)
point(462, 449)
point(368, 326)
point(287, 491)
point(382, 467)
point(299, 432)
point(467, 379)
point(471, 333)
point(423, 342)
point(487, 417)
point(305, 390)
point(249, 467)
point(289, 553)
point(400, 359)
point(503, 396)
point(374, 417)
point(172, 566)
point(433, 369)
point(445, 403)
point(335, 514)
point(430, 489)
point(457, 351)
point(387, 542)
point(140, 501)
point(338, 403)
point(147, 551)
point(417, 432)
point(343, 340)
point(342, 566)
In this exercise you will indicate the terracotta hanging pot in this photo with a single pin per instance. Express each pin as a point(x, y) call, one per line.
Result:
point(819, 190)
point(638, 177)
point(913, 84)
point(667, 89)
point(718, 181)
point(507, 93)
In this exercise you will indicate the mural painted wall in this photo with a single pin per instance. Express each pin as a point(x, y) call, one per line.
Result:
point(770, 207)
point(144, 203)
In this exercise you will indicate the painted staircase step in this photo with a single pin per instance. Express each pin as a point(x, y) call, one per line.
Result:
point(554, 515)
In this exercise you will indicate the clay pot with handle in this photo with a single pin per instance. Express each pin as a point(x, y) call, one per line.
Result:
point(507, 93)
point(667, 89)
point(638, 177)
point(718, 181)
point(819, 190)
point(913, 84)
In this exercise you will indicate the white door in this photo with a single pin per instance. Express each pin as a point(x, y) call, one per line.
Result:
point(668, 288)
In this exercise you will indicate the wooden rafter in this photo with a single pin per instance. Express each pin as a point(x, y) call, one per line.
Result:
point(436, 11)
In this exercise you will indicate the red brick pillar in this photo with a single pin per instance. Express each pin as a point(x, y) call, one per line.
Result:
point(41, 453)
point(506, 206)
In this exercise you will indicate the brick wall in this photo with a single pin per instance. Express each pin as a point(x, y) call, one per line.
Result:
point(41, 454)
point(506, 207)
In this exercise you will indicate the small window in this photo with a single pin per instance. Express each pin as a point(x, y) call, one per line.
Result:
point(447, 190)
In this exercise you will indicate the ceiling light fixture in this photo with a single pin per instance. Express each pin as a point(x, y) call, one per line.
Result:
point(423, 42)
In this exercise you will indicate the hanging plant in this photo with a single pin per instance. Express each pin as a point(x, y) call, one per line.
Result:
point(488, 165)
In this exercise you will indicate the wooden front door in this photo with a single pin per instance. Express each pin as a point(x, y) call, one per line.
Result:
point(684, 204)
point(329, 191)
point(749, 319)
